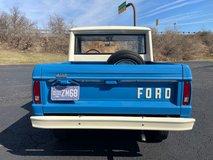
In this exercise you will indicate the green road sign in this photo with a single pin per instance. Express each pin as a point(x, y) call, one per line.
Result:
point(122, 7)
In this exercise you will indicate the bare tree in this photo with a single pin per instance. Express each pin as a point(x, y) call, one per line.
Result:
point(57, 25)
point(4, 20)
point(20, 29)
point(4, 25)
point(19, 22)
point(58, 43)
point(19, 32)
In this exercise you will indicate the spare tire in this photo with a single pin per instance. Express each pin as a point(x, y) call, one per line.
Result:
point(125, 57)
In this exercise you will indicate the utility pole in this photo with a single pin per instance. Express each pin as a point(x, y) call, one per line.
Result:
point(156, 24)
point(134, 11)
point(175, 26)
point(123, 6)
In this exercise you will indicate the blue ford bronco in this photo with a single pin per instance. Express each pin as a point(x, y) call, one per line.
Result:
point(111, 82)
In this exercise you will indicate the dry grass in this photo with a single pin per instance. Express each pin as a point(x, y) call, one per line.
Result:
point(14, 57)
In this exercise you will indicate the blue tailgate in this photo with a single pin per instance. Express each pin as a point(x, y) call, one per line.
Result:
point(152, 89)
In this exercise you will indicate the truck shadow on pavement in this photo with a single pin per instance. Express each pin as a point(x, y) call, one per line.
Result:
point(21, 139)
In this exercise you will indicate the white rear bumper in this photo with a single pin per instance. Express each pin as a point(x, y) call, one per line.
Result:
point(112, 122)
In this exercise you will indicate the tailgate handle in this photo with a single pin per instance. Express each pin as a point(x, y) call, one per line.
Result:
point(67, 82)
point(111, 82)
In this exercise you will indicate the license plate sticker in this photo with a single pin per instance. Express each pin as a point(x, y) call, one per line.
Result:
point(65, 93)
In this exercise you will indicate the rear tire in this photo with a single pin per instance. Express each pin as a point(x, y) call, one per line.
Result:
point(156, 136)
point(125, 57)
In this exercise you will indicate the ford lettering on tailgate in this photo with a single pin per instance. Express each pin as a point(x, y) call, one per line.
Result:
point(154, 93)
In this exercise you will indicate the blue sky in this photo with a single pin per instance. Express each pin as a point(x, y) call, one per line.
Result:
point(189, 15)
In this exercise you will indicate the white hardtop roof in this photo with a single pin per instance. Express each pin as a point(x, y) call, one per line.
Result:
point(110, 29)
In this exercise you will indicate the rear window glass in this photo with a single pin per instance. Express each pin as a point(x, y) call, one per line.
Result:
point(108, 44)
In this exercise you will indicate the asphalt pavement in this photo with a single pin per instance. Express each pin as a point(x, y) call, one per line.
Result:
point(18, 140)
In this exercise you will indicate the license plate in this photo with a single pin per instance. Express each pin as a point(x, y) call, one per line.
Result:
point(65, 93)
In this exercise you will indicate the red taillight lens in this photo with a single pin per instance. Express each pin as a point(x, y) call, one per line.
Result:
point(186, 93)
point(36, 92)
